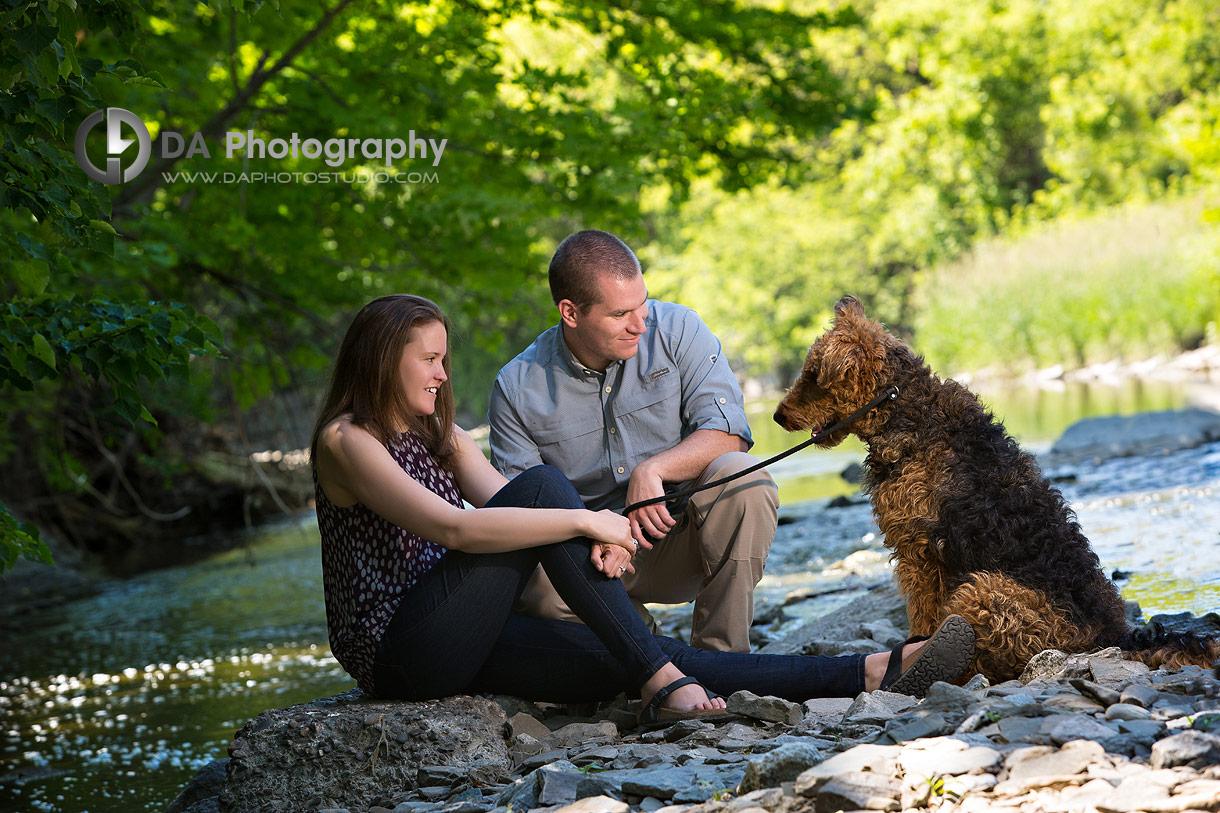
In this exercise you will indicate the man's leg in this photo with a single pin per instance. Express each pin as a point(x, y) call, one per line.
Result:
point(717, 557)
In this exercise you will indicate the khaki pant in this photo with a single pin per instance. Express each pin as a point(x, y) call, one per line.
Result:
point(715, 558)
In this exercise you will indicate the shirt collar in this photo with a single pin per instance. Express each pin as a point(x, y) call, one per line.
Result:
point(573, 364)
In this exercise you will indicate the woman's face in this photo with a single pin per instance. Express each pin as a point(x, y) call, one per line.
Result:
point(421, 370)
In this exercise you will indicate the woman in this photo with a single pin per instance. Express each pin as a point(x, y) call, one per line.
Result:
point(419, 590)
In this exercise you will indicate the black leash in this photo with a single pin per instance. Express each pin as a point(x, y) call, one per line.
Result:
point(890, 393)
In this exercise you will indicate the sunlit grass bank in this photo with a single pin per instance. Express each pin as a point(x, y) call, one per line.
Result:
point(1129, 284)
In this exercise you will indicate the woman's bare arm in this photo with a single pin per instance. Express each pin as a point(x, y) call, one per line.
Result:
point(351, 462)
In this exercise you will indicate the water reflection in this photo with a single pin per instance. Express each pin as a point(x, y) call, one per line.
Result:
point(114, 701)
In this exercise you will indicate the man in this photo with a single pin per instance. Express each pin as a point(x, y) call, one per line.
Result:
point(628, 395)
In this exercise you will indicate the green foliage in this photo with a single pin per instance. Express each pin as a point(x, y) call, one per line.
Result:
point(1127, 284)
point(972, 120)
point(44, 338)
point(19, 540)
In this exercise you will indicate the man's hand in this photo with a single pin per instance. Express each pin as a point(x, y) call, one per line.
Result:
point(611, 560)
point(651, 520)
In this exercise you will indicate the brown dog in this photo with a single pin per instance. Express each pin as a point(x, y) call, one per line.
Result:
point(974, 527)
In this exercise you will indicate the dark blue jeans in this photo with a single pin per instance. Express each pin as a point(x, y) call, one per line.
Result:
point(454, 631)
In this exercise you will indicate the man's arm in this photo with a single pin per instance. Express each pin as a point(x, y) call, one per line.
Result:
point(686, 461)
point(713, 414)
point(513, 450)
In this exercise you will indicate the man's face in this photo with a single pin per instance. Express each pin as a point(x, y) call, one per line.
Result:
point(612, 328)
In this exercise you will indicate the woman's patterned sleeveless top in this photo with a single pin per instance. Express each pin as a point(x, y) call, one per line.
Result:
point(369, 563)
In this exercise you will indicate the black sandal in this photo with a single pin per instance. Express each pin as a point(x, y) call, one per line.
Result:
point(653, 712)
point(945, 657)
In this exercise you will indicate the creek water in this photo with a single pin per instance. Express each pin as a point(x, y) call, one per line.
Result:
point(111, 701)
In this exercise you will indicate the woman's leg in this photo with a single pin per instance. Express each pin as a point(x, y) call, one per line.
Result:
point(600, 602)
point(562, 661)
point(449, 622)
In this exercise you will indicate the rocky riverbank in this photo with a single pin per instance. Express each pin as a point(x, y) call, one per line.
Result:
point(1076, 732)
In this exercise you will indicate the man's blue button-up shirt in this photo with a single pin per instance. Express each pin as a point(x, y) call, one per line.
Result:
point(546, 407)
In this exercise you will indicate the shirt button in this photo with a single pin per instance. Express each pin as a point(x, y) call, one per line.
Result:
point(612, 430)
point(722, 400)
point(620, 469)
point(608, 389)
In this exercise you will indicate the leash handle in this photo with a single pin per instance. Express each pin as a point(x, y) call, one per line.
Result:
point(890, 393)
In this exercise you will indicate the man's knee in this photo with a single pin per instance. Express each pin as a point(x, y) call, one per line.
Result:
point(756, 490)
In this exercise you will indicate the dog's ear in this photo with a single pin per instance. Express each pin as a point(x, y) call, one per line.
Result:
point(848, 305)
point(838, 356)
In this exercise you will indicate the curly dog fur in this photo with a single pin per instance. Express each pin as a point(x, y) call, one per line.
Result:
point(973, 526)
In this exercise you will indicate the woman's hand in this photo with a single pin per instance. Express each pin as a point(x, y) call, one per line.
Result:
point(610, 528)
point(611, 560)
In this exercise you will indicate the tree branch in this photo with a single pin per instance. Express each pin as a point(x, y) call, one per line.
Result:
point(143, 187)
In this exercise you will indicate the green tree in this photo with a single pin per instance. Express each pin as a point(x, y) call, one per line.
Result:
point(652, 95)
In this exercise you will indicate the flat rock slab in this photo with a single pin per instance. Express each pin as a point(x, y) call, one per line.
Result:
point(349, 751)
point(1147, 433)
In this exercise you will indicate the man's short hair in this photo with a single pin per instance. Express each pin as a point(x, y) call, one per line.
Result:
point(583, 257)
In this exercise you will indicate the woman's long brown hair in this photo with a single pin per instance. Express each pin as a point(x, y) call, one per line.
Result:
point(365, 380)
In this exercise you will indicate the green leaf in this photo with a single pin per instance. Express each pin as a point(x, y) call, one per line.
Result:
point(41, 350)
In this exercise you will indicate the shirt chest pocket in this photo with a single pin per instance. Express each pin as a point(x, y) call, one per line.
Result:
point(572, 444)
point(651, 419)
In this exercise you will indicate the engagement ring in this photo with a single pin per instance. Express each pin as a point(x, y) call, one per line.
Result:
point(621, 570)
point(635, 542)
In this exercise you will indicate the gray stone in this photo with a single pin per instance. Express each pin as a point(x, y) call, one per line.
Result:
point(684, 728)
point(883, 631)
point(1022, 729)
point(1070, 701)
point(782, 764)
point(1194, 749)
point(522, 723)
point(1147, 791)
point(347, 749)
point(666, 783)
point(1142, 729)
point(1143, 434)
point(543, 758)
point(557, 785)
point(859, 790)
point(598, 804)
point(976, 684)
point(946, 756)
point(877, 708)
point(768, 709)
point(204, 785)
point(1040, 761)
point(842, 624)
point(1103, 695)
point(523, 747)
point(1127, 711)
point(1063, 730)
point(1139, 695)
point(907, 728)
point(1114, 670)
point(524, 792)
point(882, 759)
point(954, 701)
point(581, 733)
point(821, 710)
point(595, 755)
point(1048, 663)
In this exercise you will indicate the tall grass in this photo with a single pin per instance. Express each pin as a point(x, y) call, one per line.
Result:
point(1124, 285)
